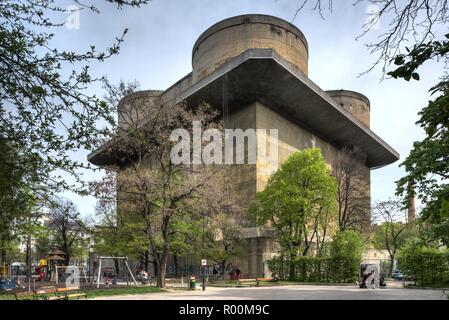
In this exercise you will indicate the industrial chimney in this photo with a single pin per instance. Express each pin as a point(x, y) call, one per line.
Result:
point(411, 202)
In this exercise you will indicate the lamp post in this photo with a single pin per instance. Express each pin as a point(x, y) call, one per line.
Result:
point(89, 260)
point(203, 267)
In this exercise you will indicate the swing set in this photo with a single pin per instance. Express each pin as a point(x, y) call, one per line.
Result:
point(97, 272)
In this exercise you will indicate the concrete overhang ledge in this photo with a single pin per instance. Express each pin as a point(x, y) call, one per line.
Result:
point(263, 75)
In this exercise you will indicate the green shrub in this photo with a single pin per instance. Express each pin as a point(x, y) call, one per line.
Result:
point(310, 269)
point(340, 266)
point(424, 265)
point(346, 248)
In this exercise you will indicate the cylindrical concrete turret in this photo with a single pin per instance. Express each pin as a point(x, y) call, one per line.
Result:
point(131, 109)
point(355, 103)
point(231, 37)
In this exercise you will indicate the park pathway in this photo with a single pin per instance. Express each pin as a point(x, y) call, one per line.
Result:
point(294, 292)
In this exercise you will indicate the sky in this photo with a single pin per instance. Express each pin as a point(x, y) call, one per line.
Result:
point(158, 46)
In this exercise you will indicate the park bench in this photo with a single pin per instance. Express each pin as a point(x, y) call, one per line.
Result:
point(248, 282)
point(72, 293)
point(23, 295)
point(266, 279)
point(48, 293)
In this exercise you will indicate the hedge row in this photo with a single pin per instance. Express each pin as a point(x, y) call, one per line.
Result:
point(311, 269)
point(425, 266)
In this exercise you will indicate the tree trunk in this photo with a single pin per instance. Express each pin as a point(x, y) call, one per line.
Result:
point(146, 260)
point(28, 262)
point(175, 266)
point(2, 251)
point(156, 268)
point(390, 269)
point(117, 267)
point(163, 258)
point(292, 272)
point(162, 270)
point(223, 270)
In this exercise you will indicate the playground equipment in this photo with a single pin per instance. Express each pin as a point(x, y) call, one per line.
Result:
point(98, 270)
point(63, 272)
point(10, 275)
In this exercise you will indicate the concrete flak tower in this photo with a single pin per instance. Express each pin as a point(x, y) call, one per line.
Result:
point(253, 69)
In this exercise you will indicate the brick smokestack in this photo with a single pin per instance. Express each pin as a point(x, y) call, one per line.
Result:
point(411, 201)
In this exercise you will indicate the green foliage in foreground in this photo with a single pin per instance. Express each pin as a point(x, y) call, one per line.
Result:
point(424, 265)
point(427, 163)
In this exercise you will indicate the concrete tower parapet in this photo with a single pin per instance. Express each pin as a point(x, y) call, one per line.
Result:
point(355, 103)
point(131, 109)
point(231, 37)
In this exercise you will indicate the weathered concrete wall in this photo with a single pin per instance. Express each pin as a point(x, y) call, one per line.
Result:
point(131, 109)
point(260, 246)
point(231, 37)
point(171, 94)
point(244, 175)
point(363, 187)
point(291, 138)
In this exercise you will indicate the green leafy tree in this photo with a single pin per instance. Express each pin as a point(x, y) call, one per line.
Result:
point(45, 112)
point(12, 196)
point(295, 199)
point(28, 228)
point(391, 236)
point(43, 243)
point(427, 164)
point(19, 206)
point(407, 64)
point(347, 244)
point(346, 252)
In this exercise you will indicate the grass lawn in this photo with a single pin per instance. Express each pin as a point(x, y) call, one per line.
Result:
point(7, 296)
point(234, 283)
point(121, 291)
point(92, 293)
